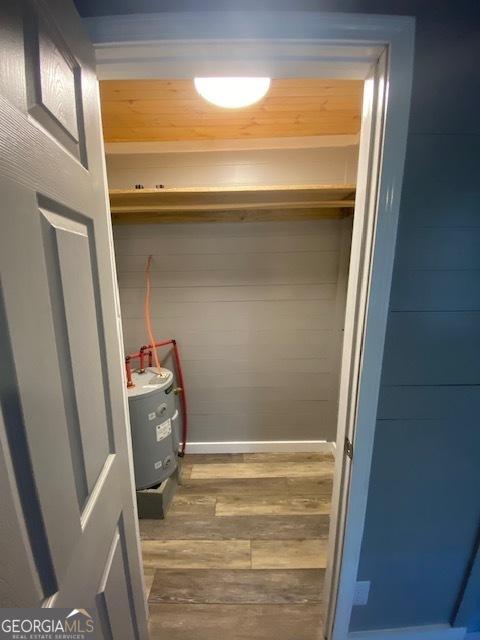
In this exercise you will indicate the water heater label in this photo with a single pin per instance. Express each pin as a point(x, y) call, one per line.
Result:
point(158, 465)
point(164, 430)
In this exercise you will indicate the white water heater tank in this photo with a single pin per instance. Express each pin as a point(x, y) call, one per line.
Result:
point(154, 426)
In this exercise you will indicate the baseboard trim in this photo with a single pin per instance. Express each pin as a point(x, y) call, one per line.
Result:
point(261, 446)
point(428, 632)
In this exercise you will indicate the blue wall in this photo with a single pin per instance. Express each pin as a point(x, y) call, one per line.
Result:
point(423, 512)
point(424, 509)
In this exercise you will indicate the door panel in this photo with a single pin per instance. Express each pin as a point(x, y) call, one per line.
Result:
point(53, 82)
point(32, 339)
point(113, 596)
point(19, 584)
point(64, 357)
point(67, 474)
point(72, 286)
point(26, 566)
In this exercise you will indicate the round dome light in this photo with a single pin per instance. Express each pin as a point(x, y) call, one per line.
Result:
point(232, 93)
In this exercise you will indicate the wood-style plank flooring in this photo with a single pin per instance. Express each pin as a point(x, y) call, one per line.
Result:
point(242, 552)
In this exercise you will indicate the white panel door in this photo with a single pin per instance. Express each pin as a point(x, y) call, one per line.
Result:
point(68, 532)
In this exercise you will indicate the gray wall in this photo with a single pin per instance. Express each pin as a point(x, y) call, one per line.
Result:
point(423, 510)
point(257, 309)
point(247, 302)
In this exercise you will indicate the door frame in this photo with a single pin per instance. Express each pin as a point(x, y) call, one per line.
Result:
point(379, 50)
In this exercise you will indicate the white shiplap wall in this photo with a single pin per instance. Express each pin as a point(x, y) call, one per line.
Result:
point(324, 165)
point(257, 309)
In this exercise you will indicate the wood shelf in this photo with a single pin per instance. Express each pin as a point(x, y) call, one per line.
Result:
point(223, 204)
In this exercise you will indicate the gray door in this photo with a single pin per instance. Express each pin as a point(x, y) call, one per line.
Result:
point(68, 533)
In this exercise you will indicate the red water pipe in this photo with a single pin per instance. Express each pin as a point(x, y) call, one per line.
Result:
point(140, 355)
point(183, 397)
point(128, 369)
point(142, 359)
point(137, 354)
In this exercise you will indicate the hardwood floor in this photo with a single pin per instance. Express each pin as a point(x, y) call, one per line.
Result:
point(242, 552)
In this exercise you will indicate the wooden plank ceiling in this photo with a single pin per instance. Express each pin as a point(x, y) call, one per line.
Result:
point(171, 110)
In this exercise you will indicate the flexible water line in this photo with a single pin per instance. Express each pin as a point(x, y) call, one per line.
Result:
point(152, 347)
point(147, 313)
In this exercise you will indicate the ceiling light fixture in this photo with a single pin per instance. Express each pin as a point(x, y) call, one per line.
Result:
point(232, 93)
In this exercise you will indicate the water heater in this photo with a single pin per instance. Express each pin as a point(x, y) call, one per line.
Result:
point(154, 426)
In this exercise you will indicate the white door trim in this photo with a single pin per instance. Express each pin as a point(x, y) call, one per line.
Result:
point(355, 317)
point(289, 44)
